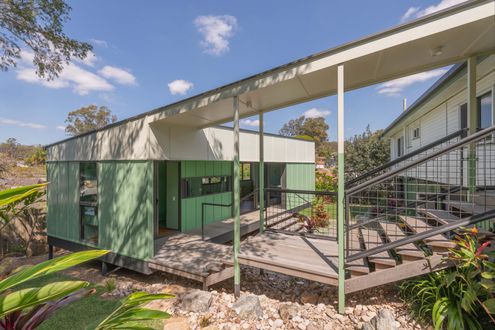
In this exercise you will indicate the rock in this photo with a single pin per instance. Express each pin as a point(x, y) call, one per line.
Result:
point(196, 301)
point(385, 320)
point(176, 323)
point(278, 323)
point(308, 297)
point(287, 312)
point(6, 266)
point(367, 326)
point(248, 307)
point(349, 310)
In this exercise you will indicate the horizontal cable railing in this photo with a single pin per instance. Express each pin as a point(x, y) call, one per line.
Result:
point(405, 159)
point(304, 212)
point(409, 211)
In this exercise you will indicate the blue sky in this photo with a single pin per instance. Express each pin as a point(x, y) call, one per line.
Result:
point(149, 54)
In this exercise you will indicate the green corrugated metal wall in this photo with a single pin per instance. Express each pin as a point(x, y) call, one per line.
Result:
point(63, 200)
point(125, 215)
point(191, 207)
point(300, 176)
point(125, 194)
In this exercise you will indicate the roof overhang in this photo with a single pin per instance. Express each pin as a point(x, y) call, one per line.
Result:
point(440, 39)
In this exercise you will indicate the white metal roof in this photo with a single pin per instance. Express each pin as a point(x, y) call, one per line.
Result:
point(460, 31)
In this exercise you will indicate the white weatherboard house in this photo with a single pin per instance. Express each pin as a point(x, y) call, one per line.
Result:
point(442, 109)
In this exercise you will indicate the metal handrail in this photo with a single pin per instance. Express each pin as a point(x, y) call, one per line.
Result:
point(385, 176)
point(295, 191)
point(406, 157)
point(203, 215)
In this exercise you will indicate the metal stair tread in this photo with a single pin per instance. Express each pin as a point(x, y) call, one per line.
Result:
point(360, 265)
point(419, 226)
point(439, 215)
point(467, 207)
point(394, 233)
point(372, 239)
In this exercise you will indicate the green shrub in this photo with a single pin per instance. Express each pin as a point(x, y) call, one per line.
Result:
point(460, 297)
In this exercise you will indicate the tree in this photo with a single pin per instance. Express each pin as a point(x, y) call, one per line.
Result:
point(316, 128)
point(37, 25)
point(12, 146)
point(364, 152)
point(87, 119)
point(36, 157)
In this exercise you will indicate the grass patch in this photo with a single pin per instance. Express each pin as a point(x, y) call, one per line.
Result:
point(83, 314)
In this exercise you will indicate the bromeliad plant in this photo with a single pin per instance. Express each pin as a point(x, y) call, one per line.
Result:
point(456, 298)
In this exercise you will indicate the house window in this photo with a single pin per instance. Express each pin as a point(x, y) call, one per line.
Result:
point(416, 133)
point(400, 146)
point(463, 116)
point(484, 110)
point(200, 186)
point(245, 172)
point(88, 201)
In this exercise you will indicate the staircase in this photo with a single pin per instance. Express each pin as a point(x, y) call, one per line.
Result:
point(400, 218)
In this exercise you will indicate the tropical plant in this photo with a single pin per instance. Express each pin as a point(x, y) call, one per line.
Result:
point(28, 308)
point(455, 298)
point(17, 201)
point(132, 311)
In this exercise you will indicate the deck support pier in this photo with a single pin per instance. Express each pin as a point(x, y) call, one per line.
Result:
point(236, 201)
point(261, 173)
point(50, 252)
point(341, 188)
point(472, 105)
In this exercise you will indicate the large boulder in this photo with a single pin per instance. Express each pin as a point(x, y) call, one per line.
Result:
point(248, 307)
point(6, 266)
point(196, 301)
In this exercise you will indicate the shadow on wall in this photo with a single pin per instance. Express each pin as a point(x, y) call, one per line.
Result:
point(125, 193)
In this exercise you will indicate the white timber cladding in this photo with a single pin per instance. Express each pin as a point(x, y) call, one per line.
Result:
point(141, 140)
point(440, 115)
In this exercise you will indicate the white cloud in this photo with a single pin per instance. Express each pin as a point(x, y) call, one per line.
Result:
point(5, 121)
point(316, 113)
point(416, 12)
point(216, 31)
point(395, 87)
point(99, 42)
point(180, 86)
point(250, 122)
point(60, 127)
point(72, 76)
point(117, 74)
point(89, 60)
point(80, 80)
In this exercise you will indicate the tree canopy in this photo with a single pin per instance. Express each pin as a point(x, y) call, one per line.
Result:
point(314, 128)
point(38, 26)
point(87, 119)
point(364, 152)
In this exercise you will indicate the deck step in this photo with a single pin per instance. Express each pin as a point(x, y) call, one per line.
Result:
point(357, 267)
point(466, 207)
point(441, 216)
point(408, 252)
point(438, 242)
point(372, 239)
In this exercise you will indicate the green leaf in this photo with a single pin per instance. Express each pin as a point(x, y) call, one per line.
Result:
point(490, 305)
point(13, 195)
point(25, 298)
point(488, 275)
point(50, 266)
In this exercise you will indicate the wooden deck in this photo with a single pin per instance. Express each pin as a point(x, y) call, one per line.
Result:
point(309, 258)
point(206, 261)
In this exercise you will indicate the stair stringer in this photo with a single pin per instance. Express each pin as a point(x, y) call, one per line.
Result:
point(403, 271)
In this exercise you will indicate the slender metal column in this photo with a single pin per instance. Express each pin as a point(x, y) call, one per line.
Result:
point(341, 183)
point(237, 200)
point(472, 105)
point(261, 174)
